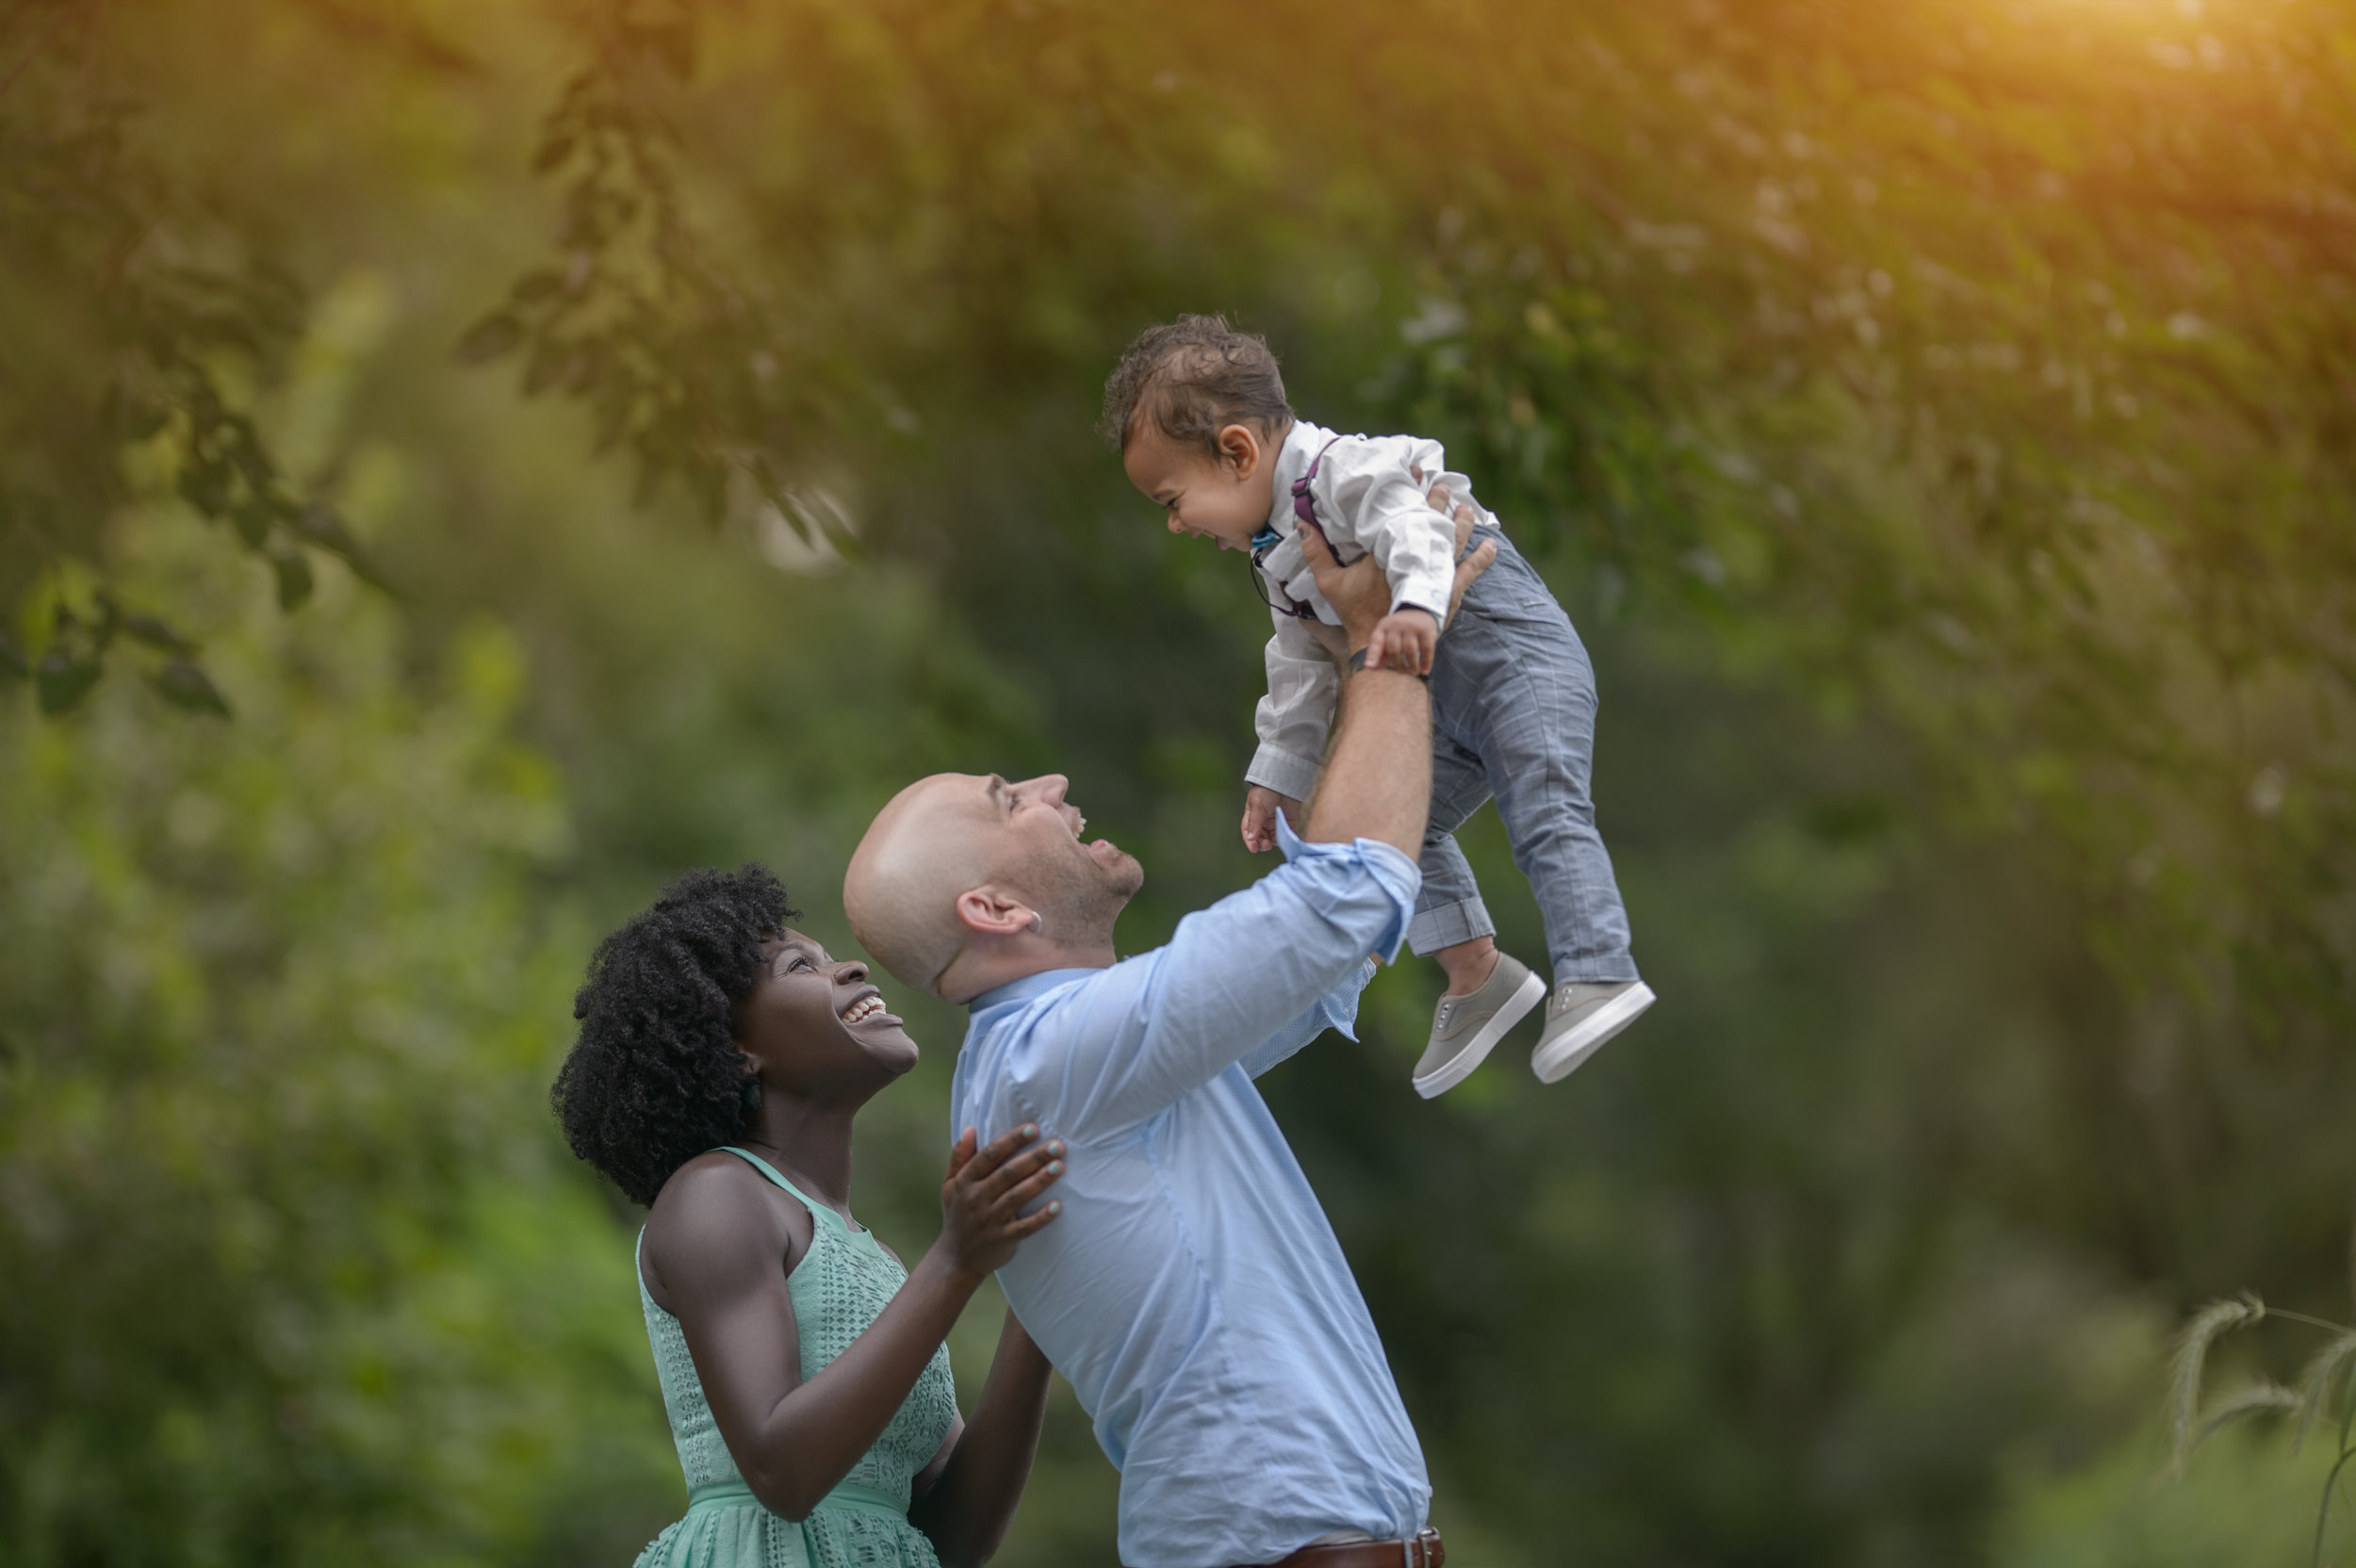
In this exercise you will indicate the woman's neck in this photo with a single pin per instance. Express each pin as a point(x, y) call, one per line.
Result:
point(810, 1144)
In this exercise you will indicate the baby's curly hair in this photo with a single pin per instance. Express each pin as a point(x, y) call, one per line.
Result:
point(1194, 377)
point(654, 1079)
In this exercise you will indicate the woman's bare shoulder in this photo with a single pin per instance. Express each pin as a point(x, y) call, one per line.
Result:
point(718, 1222)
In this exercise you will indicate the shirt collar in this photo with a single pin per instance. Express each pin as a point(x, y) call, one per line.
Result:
point(1302, 445)
point(1028, 986)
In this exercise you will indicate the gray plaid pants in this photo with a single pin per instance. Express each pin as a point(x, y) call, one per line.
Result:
point(1514, 717)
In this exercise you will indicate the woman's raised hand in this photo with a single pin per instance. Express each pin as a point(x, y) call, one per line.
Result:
point(984, 1194)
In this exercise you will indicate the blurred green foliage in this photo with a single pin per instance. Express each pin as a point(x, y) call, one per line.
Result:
point(1939, 419)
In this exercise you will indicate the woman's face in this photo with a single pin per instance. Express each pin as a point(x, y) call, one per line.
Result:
point(816, 1026)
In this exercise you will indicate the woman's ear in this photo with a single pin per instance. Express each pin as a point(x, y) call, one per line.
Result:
point(989, 912)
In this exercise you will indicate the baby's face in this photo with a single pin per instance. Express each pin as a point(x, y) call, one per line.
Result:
point(1225, 500)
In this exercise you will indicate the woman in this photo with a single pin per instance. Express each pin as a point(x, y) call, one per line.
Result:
point(722, 1056)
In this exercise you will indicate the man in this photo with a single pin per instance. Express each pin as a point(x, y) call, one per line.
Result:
point(1193, 1292)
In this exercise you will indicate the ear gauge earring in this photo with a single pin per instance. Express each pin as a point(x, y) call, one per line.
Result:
point(1039, 923)
point(751, 1096)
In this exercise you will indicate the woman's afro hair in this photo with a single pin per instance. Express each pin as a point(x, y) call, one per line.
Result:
point(655, 1078)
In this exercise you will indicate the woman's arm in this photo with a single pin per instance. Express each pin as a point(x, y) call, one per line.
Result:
point(967, 1506)
point(795, 1441)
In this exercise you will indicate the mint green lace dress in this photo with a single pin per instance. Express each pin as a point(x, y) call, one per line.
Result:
point(837, 1288)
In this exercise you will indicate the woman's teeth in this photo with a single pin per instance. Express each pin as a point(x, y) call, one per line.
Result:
point(864, 1009)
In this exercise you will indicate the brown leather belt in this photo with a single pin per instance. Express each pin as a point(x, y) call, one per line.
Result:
point(1424, 1551)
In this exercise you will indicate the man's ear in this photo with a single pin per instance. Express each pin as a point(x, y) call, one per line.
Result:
point(1241, 448)
point(993, 912)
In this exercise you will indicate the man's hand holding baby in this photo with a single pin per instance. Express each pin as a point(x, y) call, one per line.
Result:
point(1357, 593)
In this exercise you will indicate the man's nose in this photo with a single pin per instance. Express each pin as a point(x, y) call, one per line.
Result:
point(1048, 787)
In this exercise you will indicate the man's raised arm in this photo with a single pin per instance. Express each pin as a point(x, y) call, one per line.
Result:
point(1378, 775)
point(1237, 975)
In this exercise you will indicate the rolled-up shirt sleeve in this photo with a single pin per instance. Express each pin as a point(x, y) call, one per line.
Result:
point(1249, 980)
point(1337, 1011)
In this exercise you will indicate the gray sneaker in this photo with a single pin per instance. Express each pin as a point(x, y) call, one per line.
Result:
point(1464, 1028)
point(1582, 1015)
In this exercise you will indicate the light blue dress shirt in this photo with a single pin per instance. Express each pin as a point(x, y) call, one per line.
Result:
point(1193, 1292)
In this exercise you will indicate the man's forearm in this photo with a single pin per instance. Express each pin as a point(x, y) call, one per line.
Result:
point(1378, 776)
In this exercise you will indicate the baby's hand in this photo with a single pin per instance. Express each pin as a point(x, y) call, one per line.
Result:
point(1260, 807)
point(1404, 640)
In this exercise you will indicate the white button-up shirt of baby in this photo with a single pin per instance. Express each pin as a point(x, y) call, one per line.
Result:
point(1370, 501)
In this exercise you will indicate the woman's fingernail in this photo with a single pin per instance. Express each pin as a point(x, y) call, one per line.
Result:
point(1055, 1168)
point(1054, 1208)
point(1029, 1130)
point(1055, 1149)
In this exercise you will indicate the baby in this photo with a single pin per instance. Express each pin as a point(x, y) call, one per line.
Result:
point(1199, 413)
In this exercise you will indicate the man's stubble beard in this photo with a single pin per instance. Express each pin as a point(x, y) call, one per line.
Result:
point(1086, 899)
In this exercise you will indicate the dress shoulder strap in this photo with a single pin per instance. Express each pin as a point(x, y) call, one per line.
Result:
point(820, 1213)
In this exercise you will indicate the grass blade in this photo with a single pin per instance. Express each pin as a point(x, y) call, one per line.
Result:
point(2261, 1397)
point(2184, 1368)
point(2315, 1384)
point(2323, 1513)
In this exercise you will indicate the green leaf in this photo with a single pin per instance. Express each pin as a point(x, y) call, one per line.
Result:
point(254, 520)
point(183, 685)
point(133, 416)
point(364, 567)
point(294, 578)
point(62, 681)
point(318, 522)
point(205, 486)
point(156, 634)
point(12, 658)
point(544, 368)
point(487, 339)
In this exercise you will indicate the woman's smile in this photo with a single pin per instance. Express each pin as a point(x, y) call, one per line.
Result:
point(868, 1004)
point(779, 1020)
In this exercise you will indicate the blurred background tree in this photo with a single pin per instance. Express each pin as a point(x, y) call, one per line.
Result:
point(1937, 418)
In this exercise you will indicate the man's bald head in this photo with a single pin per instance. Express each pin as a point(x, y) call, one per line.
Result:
point(927, 846)
point(969, 866)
